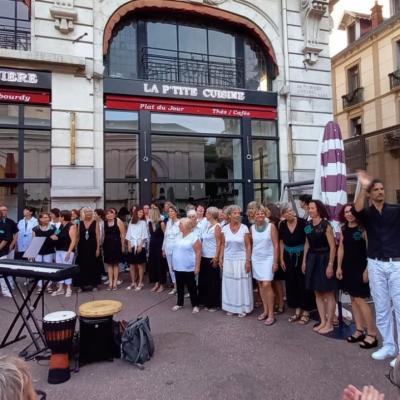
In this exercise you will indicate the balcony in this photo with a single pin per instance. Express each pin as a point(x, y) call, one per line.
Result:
point(192, 68)
point(353, 98)
point(16, 39)
point(394, 79)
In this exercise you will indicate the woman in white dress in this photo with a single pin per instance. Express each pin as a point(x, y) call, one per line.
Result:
point(171, 235)
point(264, 260)
point(237, 290)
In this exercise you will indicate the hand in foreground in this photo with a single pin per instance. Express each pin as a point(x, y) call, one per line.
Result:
point(368, 393)
point(351, 393)
point(364, 178)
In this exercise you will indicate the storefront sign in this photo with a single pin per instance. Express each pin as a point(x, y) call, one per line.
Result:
point(188, 107)
point(25, 78)
point(189, 92)
point(22, 96)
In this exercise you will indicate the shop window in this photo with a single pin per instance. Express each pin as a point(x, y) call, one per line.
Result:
point(356, 126)
point(25, 156)
point(15, 30)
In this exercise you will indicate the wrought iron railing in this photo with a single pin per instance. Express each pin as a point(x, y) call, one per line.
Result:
point(353, 98)
point(394, 79)
point(192, 68)
point(16, 39)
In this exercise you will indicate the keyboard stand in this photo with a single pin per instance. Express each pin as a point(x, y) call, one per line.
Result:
point(25, 313)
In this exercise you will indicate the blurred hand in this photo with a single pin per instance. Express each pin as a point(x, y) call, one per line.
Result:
point(364, 178)
point(351, 393)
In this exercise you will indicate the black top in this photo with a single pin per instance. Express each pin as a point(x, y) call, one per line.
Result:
point(64, 240)
point(316, 235)
point(295, 238)
point(7, 230)
point(383, 230)
point(48, 245)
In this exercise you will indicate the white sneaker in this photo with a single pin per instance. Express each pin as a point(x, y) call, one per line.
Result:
point(393, 362)
point(106, 282)
point(195, 310)
point(176, 308)
point(119, 282)
point(383, 353)
point(187, 295)
point(68, 292)
point(7, 294)
point(173, 291)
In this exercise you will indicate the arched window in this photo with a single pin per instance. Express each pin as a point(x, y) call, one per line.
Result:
point(199, 52)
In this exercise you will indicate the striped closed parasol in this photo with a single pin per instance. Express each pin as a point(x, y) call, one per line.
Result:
point(330, 174)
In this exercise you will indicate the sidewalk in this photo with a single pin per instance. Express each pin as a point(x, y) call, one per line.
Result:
point(211, 356)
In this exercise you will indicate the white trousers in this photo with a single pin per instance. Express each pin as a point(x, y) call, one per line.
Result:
point(47, 258)
point(170, 267)
point(384, 281)
point(60, 259)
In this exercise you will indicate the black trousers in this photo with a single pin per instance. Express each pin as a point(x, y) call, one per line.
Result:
point(209, 284)
point(296, 293)
point(188, 279)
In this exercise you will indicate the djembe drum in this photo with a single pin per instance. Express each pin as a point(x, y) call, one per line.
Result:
point(96, 330)
point(59, 330)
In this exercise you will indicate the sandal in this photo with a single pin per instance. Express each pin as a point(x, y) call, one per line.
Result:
point(270, 321)
point(355, 339)
point(304, 319)
point(279, 311)
point(294, 318)
point(369, 345)
point(262, 316)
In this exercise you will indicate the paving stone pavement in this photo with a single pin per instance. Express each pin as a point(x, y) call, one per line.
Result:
point(211, 356)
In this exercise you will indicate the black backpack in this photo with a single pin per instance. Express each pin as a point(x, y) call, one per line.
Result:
point(137, 345)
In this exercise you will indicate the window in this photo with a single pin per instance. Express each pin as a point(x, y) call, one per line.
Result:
point(356, 126)
point(25, 144)
point(351, 33)
point(353, 78)
point(174, 50)
point(15, 25)
point(395, 7)
point(397, 51)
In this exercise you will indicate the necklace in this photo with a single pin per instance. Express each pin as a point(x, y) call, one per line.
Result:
point(261, 228)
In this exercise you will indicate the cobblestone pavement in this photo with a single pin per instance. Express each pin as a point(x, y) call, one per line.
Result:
point(211, 356)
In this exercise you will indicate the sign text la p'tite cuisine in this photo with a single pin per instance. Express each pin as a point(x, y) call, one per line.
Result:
point(205, 93)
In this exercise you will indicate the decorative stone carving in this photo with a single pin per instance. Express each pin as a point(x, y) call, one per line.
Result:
point(312, 13)
point(214, 2)
point(64, 15)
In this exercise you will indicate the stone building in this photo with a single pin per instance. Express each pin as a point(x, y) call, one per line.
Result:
point(366, 83)
point(110, 103)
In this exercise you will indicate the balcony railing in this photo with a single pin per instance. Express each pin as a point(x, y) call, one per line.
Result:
point(353, 98)
point(394, 79)
point(16, 39)
point(192, 68)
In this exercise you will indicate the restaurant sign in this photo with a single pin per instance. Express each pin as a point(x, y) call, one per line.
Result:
point(25, 78)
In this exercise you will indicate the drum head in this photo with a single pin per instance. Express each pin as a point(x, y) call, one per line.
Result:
point(59, 316)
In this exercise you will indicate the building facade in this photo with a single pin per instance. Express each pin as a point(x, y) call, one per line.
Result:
point(112, 103)
point(366, 83)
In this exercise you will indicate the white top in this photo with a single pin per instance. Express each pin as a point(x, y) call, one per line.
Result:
point(171, 235)
point(235, 248)
point(25, 227)
point(137, 233)
point(209, 242)
point(183, 254)
point(262, 244)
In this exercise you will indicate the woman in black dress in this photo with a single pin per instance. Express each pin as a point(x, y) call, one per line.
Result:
point(156, 262)
point(113, 246)
point(88, 251)
point(319, 255)
point(292, 240)
point(352, 271)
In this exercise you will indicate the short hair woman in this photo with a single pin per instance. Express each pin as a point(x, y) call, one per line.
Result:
point(235, 255)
